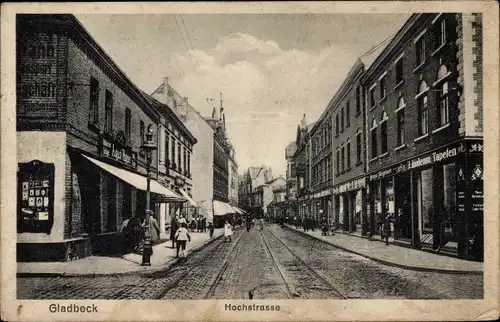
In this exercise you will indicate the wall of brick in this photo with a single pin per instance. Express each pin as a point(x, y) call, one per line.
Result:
point(477, 74)
point(412, 76)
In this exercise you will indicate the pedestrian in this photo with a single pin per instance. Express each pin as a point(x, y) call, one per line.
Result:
point(386, 228)
point(211, 229)
point(182, 237)
point(132, 234)
point(182, 220)
point(228, 231)
point(204, 224)
point(173, 229)
point(154, 229)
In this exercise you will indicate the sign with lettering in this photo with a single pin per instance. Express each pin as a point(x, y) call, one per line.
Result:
point(440, 155)
point(118, 153)
point(39, 85)
point(350, 185)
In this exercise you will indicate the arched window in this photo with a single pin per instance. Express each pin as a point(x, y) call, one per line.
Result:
point(441, 86)
point(401, 103)
point(422, 88)
point(373, 132)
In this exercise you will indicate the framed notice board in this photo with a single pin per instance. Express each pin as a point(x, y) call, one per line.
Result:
point(35, 197)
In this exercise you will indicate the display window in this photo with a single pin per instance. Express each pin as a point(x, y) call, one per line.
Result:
point(425, 210)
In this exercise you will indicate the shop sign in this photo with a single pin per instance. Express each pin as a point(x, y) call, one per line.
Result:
point(351, 185)
point(440, 155)
point(38, 87)
point(475, 146)
point(118, 153)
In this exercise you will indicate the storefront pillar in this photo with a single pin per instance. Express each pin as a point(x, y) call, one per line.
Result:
point(163, 215)
point(364, 217)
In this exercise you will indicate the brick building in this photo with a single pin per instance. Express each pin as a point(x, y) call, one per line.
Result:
point(424, 134)
point(303, 165)
point(80, 126)
point(291, 180)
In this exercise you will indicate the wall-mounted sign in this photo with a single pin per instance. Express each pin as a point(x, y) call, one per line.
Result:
point(35, 206)
point(39, 85)
point(350, 185)
point(118, 152)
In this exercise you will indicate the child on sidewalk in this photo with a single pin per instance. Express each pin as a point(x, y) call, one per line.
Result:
point(182, 237)
point(211, 229)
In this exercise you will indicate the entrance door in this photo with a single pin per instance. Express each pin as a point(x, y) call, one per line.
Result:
point(90, 193)
point(111, 211)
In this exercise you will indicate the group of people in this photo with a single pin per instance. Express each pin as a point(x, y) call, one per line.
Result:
point(199, 224)
point(133, 232)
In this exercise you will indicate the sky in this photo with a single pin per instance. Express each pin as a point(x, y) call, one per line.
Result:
point(270, 68)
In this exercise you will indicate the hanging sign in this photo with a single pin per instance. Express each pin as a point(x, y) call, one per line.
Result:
point(117, 152)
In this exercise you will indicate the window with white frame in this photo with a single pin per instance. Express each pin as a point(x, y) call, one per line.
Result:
point(443, 100)
point(400, 114)
point(423, 111)
point(420, 50)
point(374, 143)
point(399, 70)
point(440, 33)
point(382, 87)
point(372, 97)
point(383, 133)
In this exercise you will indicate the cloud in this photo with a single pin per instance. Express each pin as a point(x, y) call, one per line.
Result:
point(264, 100)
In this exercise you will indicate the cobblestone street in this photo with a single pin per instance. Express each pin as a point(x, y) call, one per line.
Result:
point(276, 263)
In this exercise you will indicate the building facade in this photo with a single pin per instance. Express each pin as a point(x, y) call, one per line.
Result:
point(278, 208)
point(233, 178)
point(263, 196)
point(424, 134)
point(291, 180)
point(202, 157)
point(254, 177)
point(406, 141)
point(80, 126)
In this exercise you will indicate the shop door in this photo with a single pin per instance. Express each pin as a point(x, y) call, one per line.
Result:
point(91, 201)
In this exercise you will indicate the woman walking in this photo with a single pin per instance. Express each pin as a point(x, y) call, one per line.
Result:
point(182, 237)
point(228, 231)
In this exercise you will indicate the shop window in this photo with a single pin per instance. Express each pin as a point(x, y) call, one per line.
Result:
point(108, 120)
point(373, 132)
point(383, 133)
point(348, 151)
point(94, 102)
point(399, 70)
point(358, 147)
point(358, 100)
point(425, 198)
point(449, 218)
point(128, 121)
point(420, 51)
point(35, 202)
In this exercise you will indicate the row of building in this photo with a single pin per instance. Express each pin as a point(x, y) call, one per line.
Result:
point(81, 128)
point(401, 137)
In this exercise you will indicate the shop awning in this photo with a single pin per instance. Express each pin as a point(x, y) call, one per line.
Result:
point(189, 199)
point(238, 210)
point(138, 181)
point(222, 208)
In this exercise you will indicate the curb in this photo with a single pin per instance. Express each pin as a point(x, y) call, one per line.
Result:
point(387, 263)
point(166, 265)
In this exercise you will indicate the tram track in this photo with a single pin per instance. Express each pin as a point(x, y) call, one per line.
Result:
point(331, 288)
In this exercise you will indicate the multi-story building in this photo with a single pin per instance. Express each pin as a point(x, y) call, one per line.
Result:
point(233, 183)
point(303, 163)
point(262, 195)
point(80, 127)
point(424, 134)
point(279, 207)
point(291, 179)
point(242, 193)
point(253, 177)
point(202, 157)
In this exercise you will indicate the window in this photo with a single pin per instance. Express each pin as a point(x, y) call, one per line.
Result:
point(383, 133)
point(423, 126)
point(338, 160)
point(174, 146)
point(189, 163)
point(400, 114)
point(372, 97)
point(184, 159)
point(373, 132)
point(167, 143)
point(342, 152)
point(342, 120)
point(358, 101)
point(348, 151)
point(179, 156)
point(108, 121)
point(128, 119)
point(337, 129)
point(420, 48)
point(382, 87)
point(141, 132)
point(348, 114)
point(94, 102)
point(358, 147)
point(444, 116)
point(399, 71)
point(440, 34)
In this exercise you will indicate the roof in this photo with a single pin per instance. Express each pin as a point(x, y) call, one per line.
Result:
point(254, 171)
point(310, 126)
point(274, 180)
point(160, 107)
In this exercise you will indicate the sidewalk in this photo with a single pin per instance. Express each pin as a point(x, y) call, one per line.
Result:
point(163, 257)
point(398, 256)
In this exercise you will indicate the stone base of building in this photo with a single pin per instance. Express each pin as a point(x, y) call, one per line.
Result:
point(54, 252)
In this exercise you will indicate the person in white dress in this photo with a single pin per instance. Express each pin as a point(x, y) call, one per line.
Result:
point(228, 231)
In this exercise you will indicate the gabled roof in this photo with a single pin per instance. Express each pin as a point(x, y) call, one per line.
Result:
point(274, 180)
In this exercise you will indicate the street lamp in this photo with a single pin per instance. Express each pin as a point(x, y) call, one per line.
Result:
point(148, 147)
